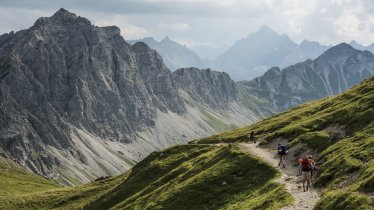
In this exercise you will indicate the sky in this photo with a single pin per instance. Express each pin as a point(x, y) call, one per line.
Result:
point(209, 23)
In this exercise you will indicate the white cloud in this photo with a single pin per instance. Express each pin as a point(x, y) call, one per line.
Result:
point(15, 19)
point(177, 27)
point(347, 26)
point(128, 30)
point(210, 21)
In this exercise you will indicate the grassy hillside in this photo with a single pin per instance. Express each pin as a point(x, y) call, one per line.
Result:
point(62, 197)
point(181, 177)
point(346, 158)
point(197, 177)
point(16, 180)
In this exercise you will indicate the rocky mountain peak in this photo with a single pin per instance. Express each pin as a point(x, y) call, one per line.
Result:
point(63, 18)
point(68, 75)
point(307, 43)
point(140, 47)
point(64, 13)
point(339, 49)
point(166, 39)
point(356, 45)
point(266, 30)
point(337, 53)
point(274, 71)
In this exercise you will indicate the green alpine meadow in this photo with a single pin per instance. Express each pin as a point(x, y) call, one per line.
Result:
point(212, 173)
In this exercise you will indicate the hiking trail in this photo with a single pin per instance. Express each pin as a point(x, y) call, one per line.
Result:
point(293, 183)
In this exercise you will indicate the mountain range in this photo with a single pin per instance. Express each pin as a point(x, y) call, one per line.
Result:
point(210, 173)
point(174, 55)
point(79, 102)
point(252, 56)
point(362, 47)
point(247, 58)
point(333, 72)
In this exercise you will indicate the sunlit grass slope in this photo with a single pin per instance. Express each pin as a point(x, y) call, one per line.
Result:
point(181, 177)
point(347, 162)
point(197, 177)
point(16, 180)
point(58, 197)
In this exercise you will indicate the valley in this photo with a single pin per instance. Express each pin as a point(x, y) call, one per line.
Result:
point(90, 120)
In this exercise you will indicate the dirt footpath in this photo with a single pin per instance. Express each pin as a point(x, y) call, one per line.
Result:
point(293, 183)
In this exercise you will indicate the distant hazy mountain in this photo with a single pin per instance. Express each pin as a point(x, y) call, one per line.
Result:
point(336, 70)
point(174, 54)
point(252, 56)
point(362, 47)
point(246, 59)
point(209, 52)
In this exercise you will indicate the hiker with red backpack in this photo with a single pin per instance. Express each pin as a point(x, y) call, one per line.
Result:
point(306, 167)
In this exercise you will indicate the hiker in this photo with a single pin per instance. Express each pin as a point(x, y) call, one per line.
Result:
point(252, 137)
point(282, 151)
point(313, 164)
point(306, 167)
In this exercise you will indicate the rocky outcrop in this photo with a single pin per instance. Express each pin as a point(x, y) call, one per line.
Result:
point(210, 88)
point(64, 74)
point(336, 70)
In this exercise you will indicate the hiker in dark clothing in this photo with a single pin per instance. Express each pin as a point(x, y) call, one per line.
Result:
point(252, 137)
point(282, 151)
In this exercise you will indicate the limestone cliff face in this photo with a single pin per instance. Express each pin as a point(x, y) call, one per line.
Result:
point(64, 74)
point(336, 70)
point(78, 102)
point(211, 88)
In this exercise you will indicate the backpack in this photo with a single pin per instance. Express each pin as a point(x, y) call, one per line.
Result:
point(282, 150)
point(306, 165)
